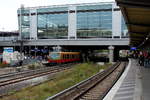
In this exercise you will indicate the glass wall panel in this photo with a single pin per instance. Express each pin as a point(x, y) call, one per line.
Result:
point(94, 21)
point(55, 9)
point(52, 23)
point(25, 23)
point(124, 30)
point(94, 7)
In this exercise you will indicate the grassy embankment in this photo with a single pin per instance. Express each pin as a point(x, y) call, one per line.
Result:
point(60, 82)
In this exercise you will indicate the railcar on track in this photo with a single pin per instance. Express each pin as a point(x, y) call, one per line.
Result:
point(62, 57)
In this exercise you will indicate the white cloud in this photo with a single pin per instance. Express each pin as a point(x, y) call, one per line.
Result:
point(8, 9)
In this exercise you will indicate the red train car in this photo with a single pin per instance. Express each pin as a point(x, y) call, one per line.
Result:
point(63, 57)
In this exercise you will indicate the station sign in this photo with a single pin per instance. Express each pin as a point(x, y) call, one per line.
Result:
point(133, 48)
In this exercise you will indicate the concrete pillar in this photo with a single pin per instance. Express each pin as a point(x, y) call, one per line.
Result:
point(116, 21)
point(111, 53)
point(72, 22)
point(33, 24)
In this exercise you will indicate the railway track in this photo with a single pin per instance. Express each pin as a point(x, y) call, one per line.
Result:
point(14, 74)
point(11, 76)
point(7, 81)
point(94, 88)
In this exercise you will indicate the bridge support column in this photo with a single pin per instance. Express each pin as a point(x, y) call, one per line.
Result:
point(111, 53)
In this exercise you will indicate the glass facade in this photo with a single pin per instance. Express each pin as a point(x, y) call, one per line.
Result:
point(94, 21)
point(52, 23)
point(25, 23)
point(124, 30)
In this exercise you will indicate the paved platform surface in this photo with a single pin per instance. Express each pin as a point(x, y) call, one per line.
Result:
point(145, 72)
point(134, 84)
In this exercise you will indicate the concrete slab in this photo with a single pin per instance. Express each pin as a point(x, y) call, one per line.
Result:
point(134, 84)
point(111, 94)
point(145, 73)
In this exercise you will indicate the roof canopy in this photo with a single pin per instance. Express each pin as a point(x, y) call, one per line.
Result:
point(137, 18)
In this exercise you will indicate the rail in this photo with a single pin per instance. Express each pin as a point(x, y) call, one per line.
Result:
point(12, 82)
point(78, 89)
point(27, 71)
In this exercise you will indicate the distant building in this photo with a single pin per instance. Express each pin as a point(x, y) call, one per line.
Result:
point(74, 21)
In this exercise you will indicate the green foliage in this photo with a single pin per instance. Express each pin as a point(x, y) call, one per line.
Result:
point(59, 82)
point(3, 65)
point(33, 66)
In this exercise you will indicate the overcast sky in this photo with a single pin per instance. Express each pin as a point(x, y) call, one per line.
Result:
point(8, 9)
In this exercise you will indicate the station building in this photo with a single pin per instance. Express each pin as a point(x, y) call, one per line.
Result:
point(73, 21)
point(74, 27)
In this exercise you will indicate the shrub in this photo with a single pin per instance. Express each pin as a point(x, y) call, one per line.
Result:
point(2, 65)
point(31, 67)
